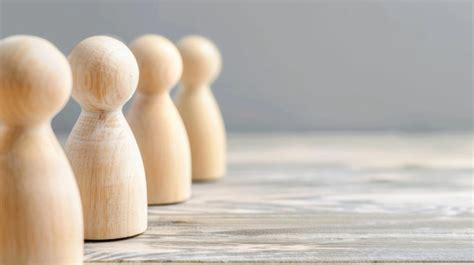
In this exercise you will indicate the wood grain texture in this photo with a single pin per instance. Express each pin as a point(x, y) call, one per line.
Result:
point(318, 199)
point(101, 147)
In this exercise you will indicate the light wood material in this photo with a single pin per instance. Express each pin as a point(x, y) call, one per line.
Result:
point(319, 198)
point(40, 207)
point(199, 109)
point(101, 147)
point(156, 123)
point(283, 263)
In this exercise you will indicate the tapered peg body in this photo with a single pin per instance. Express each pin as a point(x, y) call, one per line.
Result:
point(199, 109)
point(101, 147)
point(40, 208)
point(156, 123)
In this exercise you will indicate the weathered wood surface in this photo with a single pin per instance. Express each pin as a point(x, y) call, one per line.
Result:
point(319, 199)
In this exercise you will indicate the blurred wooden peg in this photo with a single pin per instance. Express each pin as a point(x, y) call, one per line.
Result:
point(199, 109)
point(156, 122)
point(40, 208)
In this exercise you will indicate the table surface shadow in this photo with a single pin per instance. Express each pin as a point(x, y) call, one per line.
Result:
point(318, 198)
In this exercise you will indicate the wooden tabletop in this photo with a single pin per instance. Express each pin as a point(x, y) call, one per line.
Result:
point(318, 198)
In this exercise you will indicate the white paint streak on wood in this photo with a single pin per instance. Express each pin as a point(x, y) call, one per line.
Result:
point(278, 206)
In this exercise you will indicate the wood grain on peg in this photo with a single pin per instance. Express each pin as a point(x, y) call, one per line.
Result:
point(40, 208)
point(199, 109)
point(156, 122)
point(102, 149)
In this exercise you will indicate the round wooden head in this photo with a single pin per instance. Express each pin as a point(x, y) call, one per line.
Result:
point(35, 80)
point(159, 62)
point(201, 60)
point(105, 73)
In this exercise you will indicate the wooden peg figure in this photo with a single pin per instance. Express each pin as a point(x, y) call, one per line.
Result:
point(199, 109)
point(40, 208)
point(102, 149)
point(156, 122)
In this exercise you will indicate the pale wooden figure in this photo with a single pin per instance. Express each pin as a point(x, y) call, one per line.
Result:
point(199, 109)
point(102, 149)
point(40, 208)
point(156, 122)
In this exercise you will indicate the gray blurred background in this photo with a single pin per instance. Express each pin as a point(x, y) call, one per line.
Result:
point(296, 65)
